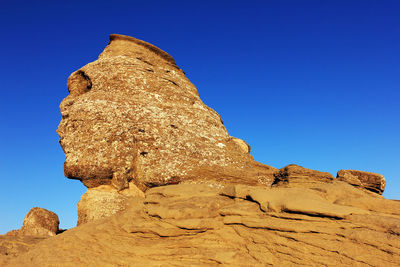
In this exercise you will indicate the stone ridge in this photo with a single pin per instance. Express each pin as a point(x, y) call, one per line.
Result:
point(147, 45)
point(331, 224)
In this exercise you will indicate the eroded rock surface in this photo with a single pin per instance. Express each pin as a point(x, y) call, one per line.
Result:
point(133, 115)
point(168, 186)
point(38, 222)
point(297, 176)
point(103, 201)
point(371, 181)
point(201, 225)
point(13, 245)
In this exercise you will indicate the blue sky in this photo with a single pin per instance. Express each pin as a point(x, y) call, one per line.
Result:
point(314, 83)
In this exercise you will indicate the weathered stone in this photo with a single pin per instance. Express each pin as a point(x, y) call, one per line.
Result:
point(104, 201)
point(371, 181)
point(202, 225)
point(133, 115)
point(242, 144)
point(139, 124)
point(12, 245)
point(38, 222)
point(297, 176)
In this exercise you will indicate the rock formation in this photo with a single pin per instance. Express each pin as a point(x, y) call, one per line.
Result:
point(133, 115)
point(38, 222)
point(371, 181)
point(168, 186)
point(238, 225)
point(103, 201)
point(296, 175)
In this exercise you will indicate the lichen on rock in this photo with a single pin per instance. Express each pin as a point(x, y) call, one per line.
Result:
point(132, 115)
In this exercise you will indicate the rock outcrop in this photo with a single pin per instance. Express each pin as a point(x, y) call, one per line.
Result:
point(295, 175)
point(371, 181)
point(38, 222)
point(132, 115)
point(168, 186)
point(238, 225)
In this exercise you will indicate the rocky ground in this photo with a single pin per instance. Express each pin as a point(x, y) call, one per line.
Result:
point(328, 224)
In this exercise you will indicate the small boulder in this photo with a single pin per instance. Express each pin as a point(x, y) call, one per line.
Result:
point(371, 181)
point(38, 222)
point(295, 175)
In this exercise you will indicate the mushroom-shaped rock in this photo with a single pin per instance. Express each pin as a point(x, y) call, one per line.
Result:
point(38, 222)
point(371, 181)
point(132, 115)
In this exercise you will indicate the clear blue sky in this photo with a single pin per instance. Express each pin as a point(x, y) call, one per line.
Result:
point(316, 83)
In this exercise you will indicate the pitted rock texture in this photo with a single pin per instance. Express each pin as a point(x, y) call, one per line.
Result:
point(133, 115)
point(103, 201)
point(371, 181)
point(238, 225)
point(38, 222)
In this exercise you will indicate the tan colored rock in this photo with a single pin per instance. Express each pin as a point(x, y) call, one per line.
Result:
point(12, 245)
point(133, 115)
point(132, 191)
point(38, 222)
point(104, 201)
point(371, 181)
point(242, 144)
point(297, 176)
point(204, 225)
point(223, 211)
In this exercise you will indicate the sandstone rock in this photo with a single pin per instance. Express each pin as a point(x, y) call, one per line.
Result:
point(242, 144)
point(38, 222)
point(12, 245)
point(103, 201)
point(238, 225)
point(371, 181)
point(133, 115)
point(297, 176)
point(169, 187)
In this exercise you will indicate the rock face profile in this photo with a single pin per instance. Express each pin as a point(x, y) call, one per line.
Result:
point(371, 181)
point(132, 115)
point(168, 186)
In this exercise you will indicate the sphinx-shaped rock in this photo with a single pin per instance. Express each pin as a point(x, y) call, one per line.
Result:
point(371, 181)
point(133, 115)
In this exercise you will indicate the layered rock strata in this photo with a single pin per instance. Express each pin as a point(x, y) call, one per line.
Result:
point(239, 225)
point(168, 186)
point(295, 175)
point(371, 181)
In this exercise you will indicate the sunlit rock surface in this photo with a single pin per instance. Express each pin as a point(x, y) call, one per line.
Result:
point(168, 186)
point(133, 115)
